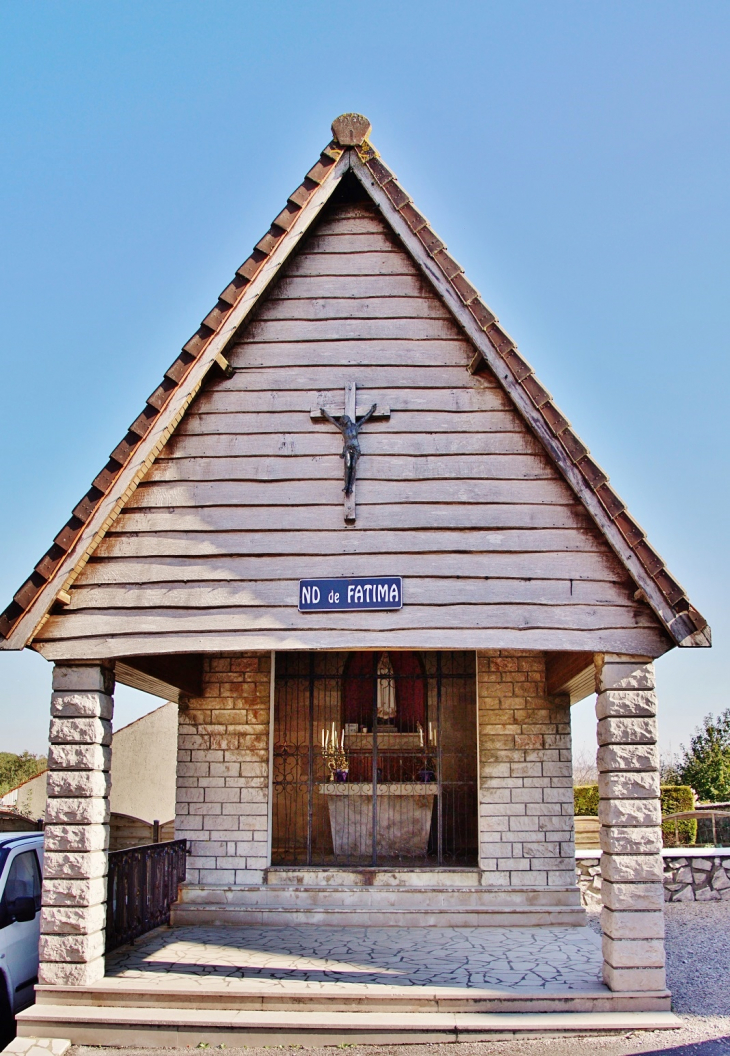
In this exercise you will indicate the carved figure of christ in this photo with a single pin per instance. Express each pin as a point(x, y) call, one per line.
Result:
point(350, 424)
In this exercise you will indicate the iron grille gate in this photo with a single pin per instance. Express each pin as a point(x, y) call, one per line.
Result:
point(375, 760)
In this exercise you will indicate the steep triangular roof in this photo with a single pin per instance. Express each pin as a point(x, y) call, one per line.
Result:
point(349, 151)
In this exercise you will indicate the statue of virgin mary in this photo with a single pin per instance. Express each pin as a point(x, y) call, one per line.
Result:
point(386, 690)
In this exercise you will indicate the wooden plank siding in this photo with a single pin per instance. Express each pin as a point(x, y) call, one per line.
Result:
point(453, 491)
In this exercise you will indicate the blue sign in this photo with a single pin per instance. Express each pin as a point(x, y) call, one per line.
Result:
point(346, 595)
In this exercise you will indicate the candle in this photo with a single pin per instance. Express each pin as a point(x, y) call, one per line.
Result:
point(342, 739)
point(323, 736)
point(430, 733)
point(420, 734)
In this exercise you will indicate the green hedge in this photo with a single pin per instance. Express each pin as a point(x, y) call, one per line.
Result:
point(675, 800)
point(586, 800)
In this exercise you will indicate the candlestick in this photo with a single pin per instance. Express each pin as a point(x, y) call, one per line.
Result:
point(334, 754)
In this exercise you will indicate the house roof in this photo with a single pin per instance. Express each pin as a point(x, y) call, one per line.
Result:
point(349, 150)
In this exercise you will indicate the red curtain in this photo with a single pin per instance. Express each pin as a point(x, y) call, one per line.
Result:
point(358, 691)
point(358, 688)
point(410, 691)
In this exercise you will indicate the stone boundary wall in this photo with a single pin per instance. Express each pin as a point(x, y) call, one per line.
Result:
point(695, 876)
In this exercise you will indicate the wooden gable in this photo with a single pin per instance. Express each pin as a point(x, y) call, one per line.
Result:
point(454, 493)
point(225, 491)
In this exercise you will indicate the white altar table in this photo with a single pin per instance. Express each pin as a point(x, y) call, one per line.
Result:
point(404, 817)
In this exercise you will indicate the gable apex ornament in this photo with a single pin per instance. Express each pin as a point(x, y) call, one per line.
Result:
point(351, 130)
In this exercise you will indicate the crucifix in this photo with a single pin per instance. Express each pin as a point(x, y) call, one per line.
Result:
point(349, 423)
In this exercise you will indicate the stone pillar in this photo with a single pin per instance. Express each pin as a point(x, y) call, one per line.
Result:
point(632, 917)
point(77, 826)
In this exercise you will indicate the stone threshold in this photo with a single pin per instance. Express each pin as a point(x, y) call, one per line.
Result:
point(696, 852)
point(668, 852)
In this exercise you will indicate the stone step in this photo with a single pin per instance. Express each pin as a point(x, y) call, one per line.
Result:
point(192, 1026)
point(422, 897)
point(261, 994)
point(330, 914)
point(371, 877)
point(378, 905)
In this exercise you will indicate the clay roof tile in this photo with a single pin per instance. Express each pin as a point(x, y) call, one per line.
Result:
point(483, 315)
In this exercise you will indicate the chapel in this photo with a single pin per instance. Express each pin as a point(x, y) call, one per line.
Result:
point(353, 537)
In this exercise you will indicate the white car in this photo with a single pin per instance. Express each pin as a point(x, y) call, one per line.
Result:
point(21, 870)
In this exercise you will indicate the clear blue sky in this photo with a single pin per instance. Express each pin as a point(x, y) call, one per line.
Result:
point(573, 155)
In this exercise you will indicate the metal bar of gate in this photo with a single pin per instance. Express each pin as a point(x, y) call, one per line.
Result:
point(439, 773)
point(374, 853)
point(310, 753)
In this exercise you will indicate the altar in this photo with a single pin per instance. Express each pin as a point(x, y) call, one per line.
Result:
point(404, 813)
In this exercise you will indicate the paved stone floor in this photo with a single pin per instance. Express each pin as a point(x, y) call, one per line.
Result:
point(535, 959)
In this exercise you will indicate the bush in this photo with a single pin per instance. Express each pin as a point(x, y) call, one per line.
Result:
point(15, 769)
point(586, 800)
point(675, 800)
point(705, 765)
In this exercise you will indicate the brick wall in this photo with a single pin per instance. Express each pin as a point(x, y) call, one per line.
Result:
point(526, 794)
point(223, 771)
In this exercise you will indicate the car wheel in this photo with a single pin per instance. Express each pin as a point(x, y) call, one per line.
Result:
point(7, 1019)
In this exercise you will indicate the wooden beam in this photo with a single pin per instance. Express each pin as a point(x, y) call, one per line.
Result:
point(170, 677)
point(225, 366)
point(571, 673)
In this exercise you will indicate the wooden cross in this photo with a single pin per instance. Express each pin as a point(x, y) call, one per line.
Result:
point(351, 451)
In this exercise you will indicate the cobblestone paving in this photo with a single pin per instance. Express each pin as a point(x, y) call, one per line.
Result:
point(544, 959)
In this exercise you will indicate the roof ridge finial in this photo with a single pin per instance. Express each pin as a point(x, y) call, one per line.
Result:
point(351, 130)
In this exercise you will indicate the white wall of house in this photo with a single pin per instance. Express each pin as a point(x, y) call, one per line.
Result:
point(29, 798)
point(144, 755)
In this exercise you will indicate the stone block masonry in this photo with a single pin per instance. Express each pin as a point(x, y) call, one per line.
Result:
point(631, 836)
point(697, 877)
point(525, 782)
point(223, 771)
point(77, 826)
